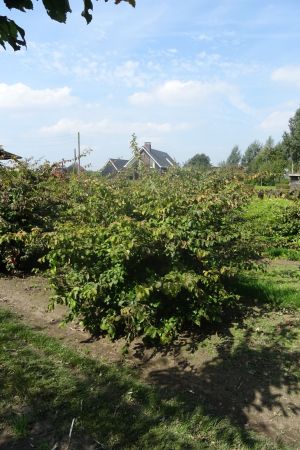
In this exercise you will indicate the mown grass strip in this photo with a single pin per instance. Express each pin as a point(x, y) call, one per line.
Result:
point(278, 285)
point(286, 253)
point(45, 385)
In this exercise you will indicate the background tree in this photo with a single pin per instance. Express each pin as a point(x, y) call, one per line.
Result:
point(291, 139)
point(235, 157)
point(269, 145)
point(251, 152)
point(14, 35)
point(135, 147)
point(199, 161)
point(270, 162)
point(137, 166)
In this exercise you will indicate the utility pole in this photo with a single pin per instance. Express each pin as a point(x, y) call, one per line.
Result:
point(78, 152)
point(75, 158)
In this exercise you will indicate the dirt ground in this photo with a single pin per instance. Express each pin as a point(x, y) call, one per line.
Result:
point(250, 381)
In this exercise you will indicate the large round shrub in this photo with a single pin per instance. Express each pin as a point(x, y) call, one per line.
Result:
point(150, 256)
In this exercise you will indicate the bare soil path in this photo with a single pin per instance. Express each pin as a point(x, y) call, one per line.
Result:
point(244, 372)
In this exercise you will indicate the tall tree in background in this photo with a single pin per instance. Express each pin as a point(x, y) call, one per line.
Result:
point(251, 153)
point(14, 35)
point(269, 145)
point(270, 162)
point(199, 161)
point(235, 157)
point(291, 139)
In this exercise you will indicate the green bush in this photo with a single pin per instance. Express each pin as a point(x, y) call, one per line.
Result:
point(275, 222)
point(151, 256)
point(31, 200)
point(287, 227)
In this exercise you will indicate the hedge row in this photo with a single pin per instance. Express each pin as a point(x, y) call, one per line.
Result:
point(149, 257)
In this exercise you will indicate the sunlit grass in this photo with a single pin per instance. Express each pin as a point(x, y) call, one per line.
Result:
point(55, 385)
point(278, 284)
point(287, 253)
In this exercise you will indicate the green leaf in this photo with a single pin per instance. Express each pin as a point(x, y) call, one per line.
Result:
point(21, 5)
point(11, 33)
point(88, 5)
point(57, 9)
point(131, 2)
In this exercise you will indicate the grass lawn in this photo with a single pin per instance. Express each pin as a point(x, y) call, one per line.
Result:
point(278, 284)
point(253, 364)
point(44, 386)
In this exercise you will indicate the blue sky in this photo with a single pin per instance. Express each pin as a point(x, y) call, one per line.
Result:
point(190, 76)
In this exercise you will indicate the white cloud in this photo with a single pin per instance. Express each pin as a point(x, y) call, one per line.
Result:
point(179, 93)
point(21, 96)
point(70, 126)
point(211, 62)
point(129, 73)
point(225, 37)
point(204, 37)
point(287, 74)
point(90, 66)
point(153, 66)
point(276, 121)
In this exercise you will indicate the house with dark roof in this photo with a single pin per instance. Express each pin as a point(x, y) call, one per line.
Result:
point(6, 156)
point(113, 166)
point(153, 159)
point(75, 167)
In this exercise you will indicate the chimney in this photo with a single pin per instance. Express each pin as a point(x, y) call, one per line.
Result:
point(147, 145)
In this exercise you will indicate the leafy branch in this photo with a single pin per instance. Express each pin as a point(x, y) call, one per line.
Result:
point(12, 34)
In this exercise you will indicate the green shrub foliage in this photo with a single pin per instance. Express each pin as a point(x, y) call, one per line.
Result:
point(275, 222)
point(150, 256)
point(287, 227)
point(31, 199)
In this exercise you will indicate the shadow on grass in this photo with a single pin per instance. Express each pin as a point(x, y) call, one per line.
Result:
point(44, 386)
point(185, 408)
point(238, 379)
point(249, 376)
point(267, 293)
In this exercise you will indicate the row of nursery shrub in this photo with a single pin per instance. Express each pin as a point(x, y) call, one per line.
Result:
point(150, 256)
point(31, 201)
point(275, 222)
